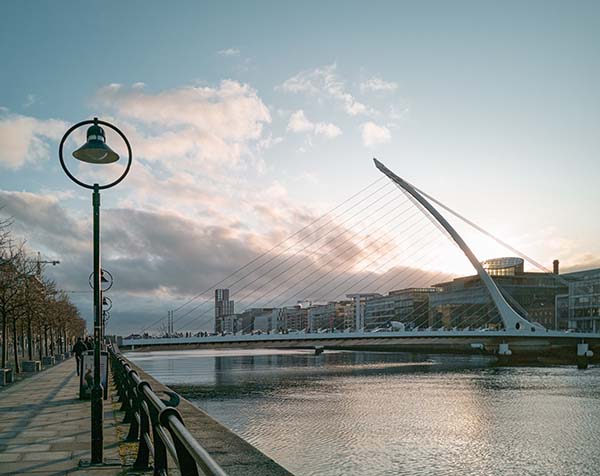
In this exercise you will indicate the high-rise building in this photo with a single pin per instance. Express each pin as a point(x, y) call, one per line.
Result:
point(223, 307)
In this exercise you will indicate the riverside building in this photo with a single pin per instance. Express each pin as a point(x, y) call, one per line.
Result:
point(465, 302)
point(407, 306)
point(579, 308)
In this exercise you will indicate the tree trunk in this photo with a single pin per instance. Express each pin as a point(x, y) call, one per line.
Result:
point(22, 342)
point(51, 342)
point(29, 339)
point(40, 348)
point(15, 346)
point(4, 340)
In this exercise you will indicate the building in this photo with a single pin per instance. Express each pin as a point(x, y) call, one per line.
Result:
point(408, 306)
point(248, 318)
point(263, 321)
point(231, 324)
point(296, 318)
point(355, 318)
point(330, 316)
point(223, 307)
point(579, 309)
point(465, 302)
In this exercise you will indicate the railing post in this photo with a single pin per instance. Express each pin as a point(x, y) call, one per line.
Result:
point(143, 455)
point(160, 449)
point(133, 411)
point(187, 464)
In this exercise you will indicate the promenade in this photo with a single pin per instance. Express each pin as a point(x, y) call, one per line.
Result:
point(45, 428)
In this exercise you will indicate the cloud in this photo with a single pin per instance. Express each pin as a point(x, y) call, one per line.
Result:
point(325, 81)
point(373, 135)
point(30, 101)
point(24, 139)
point(42, 216)
point(160, 256)
point(216, 124)
point(299, 123)
point(229, 52)
point(377, 84)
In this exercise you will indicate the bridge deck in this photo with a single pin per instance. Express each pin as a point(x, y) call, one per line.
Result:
point(45, 428)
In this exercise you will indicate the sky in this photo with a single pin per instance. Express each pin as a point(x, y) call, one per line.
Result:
point(248, 120)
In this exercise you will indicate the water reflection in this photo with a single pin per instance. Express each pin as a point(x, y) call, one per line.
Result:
point(347, 413)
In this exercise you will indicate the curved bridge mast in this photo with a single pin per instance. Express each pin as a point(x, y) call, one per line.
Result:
point(513, 322)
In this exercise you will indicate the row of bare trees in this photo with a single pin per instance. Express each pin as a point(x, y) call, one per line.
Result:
point(37, 318)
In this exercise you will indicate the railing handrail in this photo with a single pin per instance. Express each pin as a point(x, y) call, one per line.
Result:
point(159, 428)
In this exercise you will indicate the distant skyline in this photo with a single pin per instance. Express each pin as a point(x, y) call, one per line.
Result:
point(250, 119)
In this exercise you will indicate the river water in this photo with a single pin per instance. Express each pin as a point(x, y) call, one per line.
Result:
point(363, 413)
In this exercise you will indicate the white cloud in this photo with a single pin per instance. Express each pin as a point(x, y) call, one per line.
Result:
point(328, 130)
point(215, 124)
point(377, 84)
point(373, 135)
point(229, 52)
point(24, 139)
point(300, 123)
point(324, 81)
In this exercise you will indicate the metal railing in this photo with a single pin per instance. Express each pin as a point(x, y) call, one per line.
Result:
point(158, 426)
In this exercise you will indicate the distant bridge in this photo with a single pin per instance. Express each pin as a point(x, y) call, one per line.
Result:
point(519, 338)
point(551, 346)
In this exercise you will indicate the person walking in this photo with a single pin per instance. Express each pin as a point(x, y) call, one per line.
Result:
point(78, 349)
point(89, 343)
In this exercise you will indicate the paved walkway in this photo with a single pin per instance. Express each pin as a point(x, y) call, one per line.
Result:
point(45, 428)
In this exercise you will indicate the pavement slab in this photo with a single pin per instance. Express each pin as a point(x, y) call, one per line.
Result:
point(45, 428)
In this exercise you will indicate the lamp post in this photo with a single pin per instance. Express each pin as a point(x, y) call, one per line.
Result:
point(96, 151)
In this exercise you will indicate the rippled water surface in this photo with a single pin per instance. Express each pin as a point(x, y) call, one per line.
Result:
point(359, 413)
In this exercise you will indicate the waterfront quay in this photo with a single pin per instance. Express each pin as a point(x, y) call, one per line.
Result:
point(45, 430)
point(45, 427)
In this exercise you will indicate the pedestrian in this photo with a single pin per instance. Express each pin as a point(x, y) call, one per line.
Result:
point(89, 343)
point(78, 349)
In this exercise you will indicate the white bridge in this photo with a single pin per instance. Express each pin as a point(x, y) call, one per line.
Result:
point(517, 335)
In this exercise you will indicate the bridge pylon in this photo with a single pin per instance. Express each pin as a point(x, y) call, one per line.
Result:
point(512, 320)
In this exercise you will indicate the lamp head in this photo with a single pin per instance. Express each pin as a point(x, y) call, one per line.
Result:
point(95, 150)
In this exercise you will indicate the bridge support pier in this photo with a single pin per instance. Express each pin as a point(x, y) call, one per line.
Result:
point(504, 353)
point(319, 350)
point(583, 355)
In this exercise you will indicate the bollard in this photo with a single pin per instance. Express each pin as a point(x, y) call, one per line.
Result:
point(31, 365)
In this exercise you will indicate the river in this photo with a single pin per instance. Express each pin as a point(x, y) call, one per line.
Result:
point(365, 413)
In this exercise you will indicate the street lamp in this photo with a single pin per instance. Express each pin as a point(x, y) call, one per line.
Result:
point(96, 151)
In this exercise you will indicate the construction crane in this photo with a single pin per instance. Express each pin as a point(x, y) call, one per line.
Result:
point(40, 262)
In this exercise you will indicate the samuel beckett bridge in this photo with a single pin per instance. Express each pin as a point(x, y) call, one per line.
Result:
point(388, 237)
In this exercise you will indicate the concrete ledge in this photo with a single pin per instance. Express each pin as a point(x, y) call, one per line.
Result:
point(6, 376)
point(234, 454)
